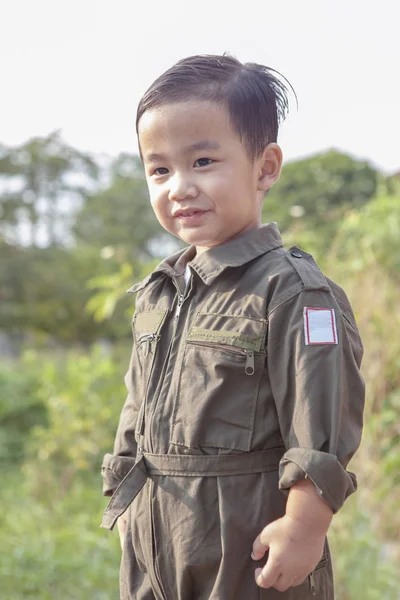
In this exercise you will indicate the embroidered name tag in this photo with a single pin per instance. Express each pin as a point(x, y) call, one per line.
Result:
point(320, 326)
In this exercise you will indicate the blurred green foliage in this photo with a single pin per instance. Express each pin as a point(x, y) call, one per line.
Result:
point(83, 395)
point(20, 410)
point(55, 549)
point(75, 233)
point(52, 506)
point(318, 190)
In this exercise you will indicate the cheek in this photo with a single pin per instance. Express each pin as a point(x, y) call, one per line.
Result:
point(217, 187)
point(157, 199)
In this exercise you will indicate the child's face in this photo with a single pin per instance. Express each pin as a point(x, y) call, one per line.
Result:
point(203, 186)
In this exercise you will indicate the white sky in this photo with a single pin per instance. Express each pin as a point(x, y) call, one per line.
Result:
point(82, 65)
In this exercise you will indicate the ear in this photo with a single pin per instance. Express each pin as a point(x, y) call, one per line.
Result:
point(269, 166)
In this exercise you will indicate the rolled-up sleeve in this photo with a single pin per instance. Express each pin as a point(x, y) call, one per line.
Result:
point(115, 466)
point(318, 392)
point(113, 471)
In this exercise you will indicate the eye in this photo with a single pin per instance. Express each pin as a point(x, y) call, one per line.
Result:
point(160, 171)
point(203, 162)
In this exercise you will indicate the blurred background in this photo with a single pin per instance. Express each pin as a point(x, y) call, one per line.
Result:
point(77, 229)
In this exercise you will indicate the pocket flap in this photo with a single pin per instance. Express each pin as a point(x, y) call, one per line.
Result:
point(150, 321)
point(232, 330)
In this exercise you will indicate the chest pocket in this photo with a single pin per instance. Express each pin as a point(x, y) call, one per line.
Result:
point(146, 329)
point(219, 380)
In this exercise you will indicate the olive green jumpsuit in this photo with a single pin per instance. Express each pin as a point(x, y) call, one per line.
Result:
point(236, 390)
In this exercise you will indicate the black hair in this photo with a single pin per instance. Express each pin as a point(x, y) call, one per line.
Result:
point(257, 100)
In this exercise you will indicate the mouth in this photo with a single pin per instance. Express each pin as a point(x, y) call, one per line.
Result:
point(189, 213)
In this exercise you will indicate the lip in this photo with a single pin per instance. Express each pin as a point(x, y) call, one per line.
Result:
point(190, 218)
point(188, 213)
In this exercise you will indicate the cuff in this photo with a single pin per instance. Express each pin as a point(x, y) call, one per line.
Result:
point(113, 471)
point(332, 482)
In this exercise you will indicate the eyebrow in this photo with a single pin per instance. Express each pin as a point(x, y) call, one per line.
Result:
point(200, 145)
point(204, 145)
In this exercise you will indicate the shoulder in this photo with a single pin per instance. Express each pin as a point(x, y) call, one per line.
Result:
point(306, 269)
point(290, 272)
point(298, 274)
point(314, 279)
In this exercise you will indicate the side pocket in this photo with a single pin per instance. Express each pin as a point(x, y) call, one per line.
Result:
point(320, 580)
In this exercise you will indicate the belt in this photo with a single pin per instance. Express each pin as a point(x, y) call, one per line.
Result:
point(186, 465)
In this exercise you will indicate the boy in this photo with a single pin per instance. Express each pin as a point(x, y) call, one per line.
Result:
point(245, 399)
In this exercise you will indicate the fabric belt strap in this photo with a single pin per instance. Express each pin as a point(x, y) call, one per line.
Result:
point(185, 466)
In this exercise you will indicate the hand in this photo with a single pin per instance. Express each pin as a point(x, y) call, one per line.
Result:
point(121, 524)
point(294, 551)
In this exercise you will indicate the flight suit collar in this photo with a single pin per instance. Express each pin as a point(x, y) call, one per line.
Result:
point(211, 263)
point(236, 252)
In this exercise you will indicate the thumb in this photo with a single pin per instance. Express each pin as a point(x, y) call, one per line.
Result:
point(261, 544)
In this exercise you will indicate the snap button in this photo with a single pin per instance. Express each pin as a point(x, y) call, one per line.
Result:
point(296, 254)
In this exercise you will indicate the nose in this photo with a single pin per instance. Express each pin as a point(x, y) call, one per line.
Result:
point(181, 188)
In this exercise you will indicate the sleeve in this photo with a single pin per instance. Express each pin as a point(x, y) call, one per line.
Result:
point(314, 355)
point(115, 466)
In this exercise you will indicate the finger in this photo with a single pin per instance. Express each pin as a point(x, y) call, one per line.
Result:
point(298, 581)
point(122, 540)
point(121, 537)
point(121, 526)
point(260, 545)
point(269, 575)
point(121, 523)
point(283, 583)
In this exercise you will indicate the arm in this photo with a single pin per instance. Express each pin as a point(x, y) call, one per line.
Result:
point(319, 398)
point(117, 465)
point(306, 508)
point(295, 541)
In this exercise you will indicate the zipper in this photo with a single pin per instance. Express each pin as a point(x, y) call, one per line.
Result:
point(249, 367)
point(311, 578)
point(148, 340)
point(312, 583)
point(181, 298)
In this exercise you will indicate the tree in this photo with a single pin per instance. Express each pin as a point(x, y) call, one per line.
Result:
point(43, 182)
point(65, 228)
point(317, 191)
point(120, 217)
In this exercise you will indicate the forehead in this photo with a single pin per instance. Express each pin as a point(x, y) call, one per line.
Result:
point(192, 125)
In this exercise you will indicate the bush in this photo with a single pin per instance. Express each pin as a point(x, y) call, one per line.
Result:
point(63, 411)
point(21, 409)
point(56, 550)
point(83, 395)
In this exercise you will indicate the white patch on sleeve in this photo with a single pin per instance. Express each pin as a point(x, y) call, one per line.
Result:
point(320, 326)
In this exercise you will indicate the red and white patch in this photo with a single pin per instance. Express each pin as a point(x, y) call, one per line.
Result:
point(320, 326)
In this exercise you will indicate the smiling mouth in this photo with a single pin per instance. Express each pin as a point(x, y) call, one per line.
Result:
point(188, 214)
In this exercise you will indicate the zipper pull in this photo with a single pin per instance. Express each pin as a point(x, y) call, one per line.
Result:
point(178, 308)
point(141, 422)
point(139, 454)
point(148, 341)
point(147, 347)
point(249, 367)
point(152, 342)
point(312, 583)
